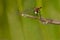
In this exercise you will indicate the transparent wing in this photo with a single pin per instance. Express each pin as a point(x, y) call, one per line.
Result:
point(28, 11)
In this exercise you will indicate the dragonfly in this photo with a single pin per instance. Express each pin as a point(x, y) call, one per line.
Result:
point(34, 12)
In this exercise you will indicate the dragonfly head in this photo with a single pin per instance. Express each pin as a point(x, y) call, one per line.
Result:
point(36, 10)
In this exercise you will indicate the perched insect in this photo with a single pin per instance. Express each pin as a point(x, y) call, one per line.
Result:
point(32, 13)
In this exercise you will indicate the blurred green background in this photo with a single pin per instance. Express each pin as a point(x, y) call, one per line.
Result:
point(15, 27)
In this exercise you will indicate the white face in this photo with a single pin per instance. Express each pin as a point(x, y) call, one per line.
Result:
point(35, 12)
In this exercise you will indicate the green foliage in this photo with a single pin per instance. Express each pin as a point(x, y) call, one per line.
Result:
point(15, 27)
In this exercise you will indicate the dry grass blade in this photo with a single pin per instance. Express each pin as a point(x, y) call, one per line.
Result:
point(43, 20)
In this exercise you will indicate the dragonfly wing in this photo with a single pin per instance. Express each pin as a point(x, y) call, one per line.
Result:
point(28, 11)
